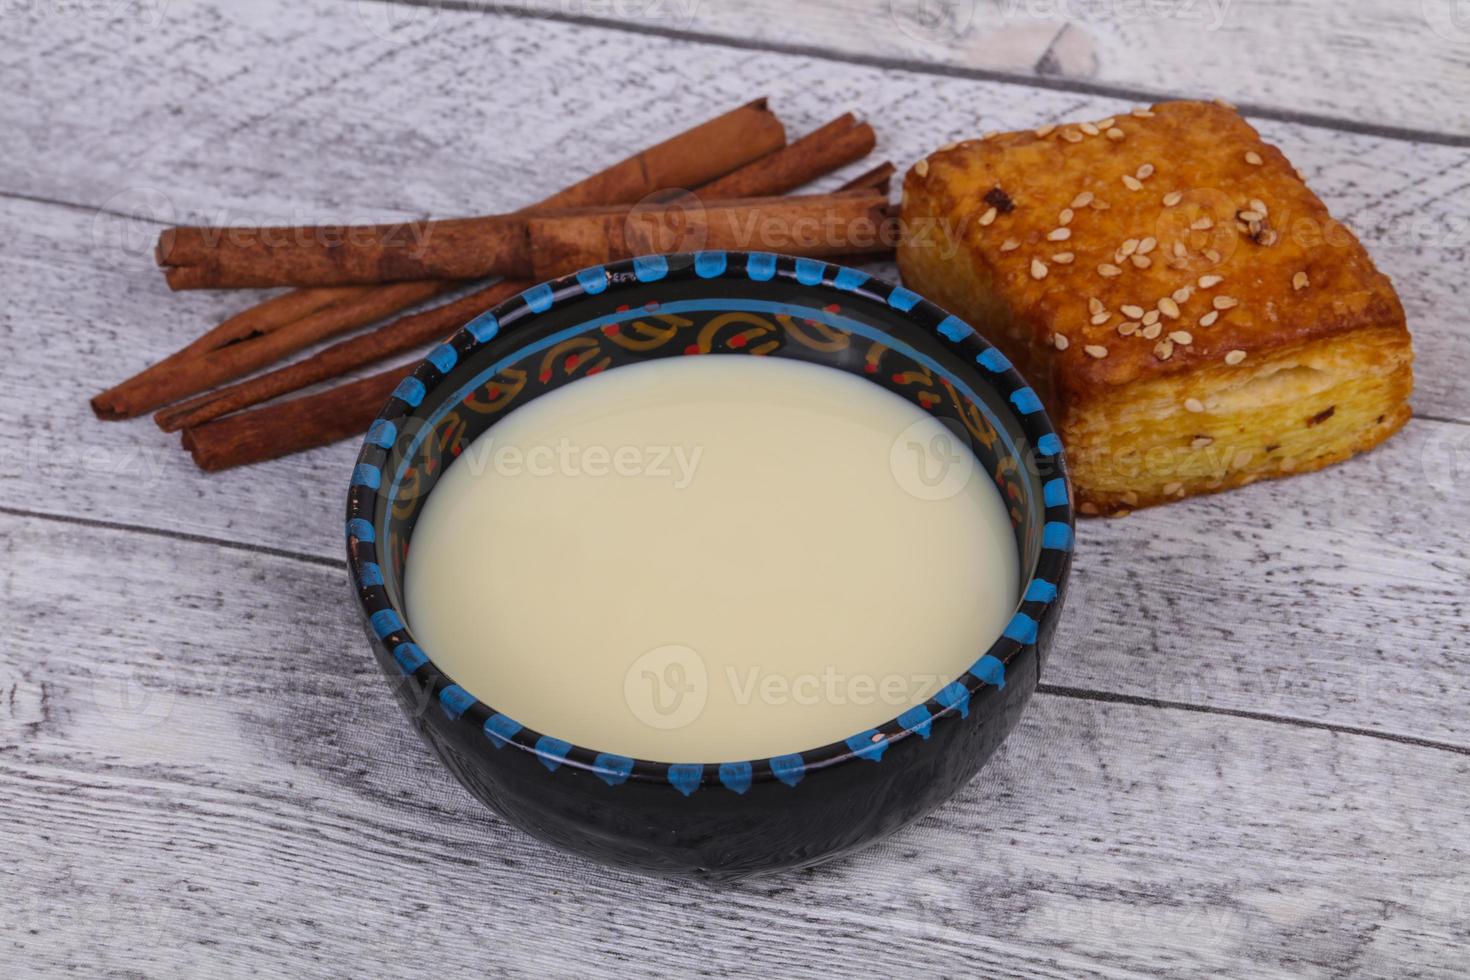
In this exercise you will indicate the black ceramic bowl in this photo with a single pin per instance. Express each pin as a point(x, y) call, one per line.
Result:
point(726, 819)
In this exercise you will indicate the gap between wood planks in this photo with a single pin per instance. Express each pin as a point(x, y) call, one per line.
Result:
point(1041, 81)
point(1051, 690)
point(172, 535)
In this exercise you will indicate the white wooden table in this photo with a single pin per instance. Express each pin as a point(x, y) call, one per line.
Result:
point(1250, 755)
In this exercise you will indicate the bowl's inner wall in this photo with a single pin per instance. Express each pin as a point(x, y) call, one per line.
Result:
point(531, 354)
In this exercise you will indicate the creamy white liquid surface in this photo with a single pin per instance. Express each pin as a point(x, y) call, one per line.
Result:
point(711, 559)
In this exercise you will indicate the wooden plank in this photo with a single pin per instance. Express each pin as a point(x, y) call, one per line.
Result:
point(1358, 62)
point(378, 123)
point(199, 766)
point(246, 150)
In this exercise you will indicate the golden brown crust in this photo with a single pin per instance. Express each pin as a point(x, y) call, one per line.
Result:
point(1168, 245)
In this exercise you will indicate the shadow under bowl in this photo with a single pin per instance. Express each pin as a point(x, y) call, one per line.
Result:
point(726, 819)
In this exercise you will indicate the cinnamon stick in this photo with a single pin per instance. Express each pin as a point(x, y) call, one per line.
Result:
point(118, 402)
point(823, 150)
point(300, 423)
point(460, 248)
point(876, 179)
point(834, 145)
point(336, 255)
point(401, 335)
point(816, 225)
point(239, 359)
point(525, 244)
point(694, 157)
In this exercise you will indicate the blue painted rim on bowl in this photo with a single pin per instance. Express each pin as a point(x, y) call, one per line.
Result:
point(1037, 607)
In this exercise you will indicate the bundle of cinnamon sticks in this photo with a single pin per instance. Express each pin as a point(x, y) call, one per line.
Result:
point(351, 277)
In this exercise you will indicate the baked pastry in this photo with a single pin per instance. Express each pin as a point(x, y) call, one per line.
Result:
point(1189, 312)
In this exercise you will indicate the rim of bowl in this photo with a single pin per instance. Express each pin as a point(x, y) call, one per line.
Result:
point(1037, 606)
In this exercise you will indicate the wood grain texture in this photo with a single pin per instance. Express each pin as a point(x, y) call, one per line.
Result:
point(1250, 756)
point(1360, 62)
point(218, 785)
